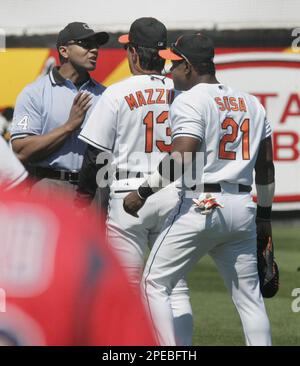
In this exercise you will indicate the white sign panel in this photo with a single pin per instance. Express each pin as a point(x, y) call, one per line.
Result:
point(274, 77)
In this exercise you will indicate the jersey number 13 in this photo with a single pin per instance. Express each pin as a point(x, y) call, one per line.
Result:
point(149, 122)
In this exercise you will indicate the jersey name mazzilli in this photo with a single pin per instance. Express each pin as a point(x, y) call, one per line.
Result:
point(148, 97)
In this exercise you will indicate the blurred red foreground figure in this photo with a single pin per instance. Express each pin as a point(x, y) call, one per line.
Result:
point(59, 282)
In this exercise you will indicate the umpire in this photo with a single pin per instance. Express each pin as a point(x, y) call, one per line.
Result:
point(50, 112)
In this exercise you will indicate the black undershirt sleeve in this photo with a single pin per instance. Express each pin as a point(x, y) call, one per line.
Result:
point(87, 185)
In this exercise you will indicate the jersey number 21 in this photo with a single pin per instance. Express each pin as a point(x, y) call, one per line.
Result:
point(232, 136)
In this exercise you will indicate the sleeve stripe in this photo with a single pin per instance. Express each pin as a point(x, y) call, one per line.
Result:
point(93, 143)
point(20, 135)
point(269, 131)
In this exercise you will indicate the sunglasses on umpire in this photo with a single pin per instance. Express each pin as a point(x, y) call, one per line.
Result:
point(87, 44)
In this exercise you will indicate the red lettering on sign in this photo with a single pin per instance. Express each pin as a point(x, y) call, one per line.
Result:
point(262, 97)
point(294, 101)
point(290, 147)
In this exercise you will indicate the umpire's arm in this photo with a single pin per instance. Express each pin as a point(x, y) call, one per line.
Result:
point(30, 147)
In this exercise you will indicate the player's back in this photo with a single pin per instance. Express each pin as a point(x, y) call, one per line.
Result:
point(141, 120)
point(231, 125)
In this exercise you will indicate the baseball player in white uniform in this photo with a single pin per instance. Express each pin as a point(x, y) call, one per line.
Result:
point(12, 172)
point(131, 122)
point(230, 130)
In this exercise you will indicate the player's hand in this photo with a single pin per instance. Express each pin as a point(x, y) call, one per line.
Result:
point(133, 203)
point(81, 103)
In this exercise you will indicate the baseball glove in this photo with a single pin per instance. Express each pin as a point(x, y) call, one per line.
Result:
point(267, 268)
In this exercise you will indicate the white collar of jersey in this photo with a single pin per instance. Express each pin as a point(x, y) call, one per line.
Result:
point(159, 77)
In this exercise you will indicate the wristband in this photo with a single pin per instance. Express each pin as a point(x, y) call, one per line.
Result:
point(144, 191)
point(264, 212)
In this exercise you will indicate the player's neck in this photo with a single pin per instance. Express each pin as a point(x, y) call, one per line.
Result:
point(139, 71)
point(77, 76)
point(207, 79)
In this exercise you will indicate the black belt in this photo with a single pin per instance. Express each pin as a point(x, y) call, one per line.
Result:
point(64, 175)
point(122, 174)
point(216, 187)
point(207, 188)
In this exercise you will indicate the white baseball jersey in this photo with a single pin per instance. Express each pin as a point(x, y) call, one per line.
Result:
point(231, 125)
point(132, 117)
point(131, 121)
point(12, 172)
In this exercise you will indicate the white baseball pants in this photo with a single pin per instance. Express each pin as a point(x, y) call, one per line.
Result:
point(132, 237)
point(228, 235)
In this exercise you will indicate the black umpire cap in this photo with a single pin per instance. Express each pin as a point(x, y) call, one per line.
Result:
point(79, 31)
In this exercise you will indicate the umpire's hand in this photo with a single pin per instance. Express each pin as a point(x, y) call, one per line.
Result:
point(82, 102)
point(132, 203)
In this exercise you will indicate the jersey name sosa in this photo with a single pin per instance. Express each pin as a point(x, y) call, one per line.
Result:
point(231, 104)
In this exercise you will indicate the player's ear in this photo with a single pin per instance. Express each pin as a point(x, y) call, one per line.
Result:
point(63, 53)
point(188, 68)
point(134, 55)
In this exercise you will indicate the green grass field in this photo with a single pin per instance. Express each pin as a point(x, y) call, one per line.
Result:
point(215, 319)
